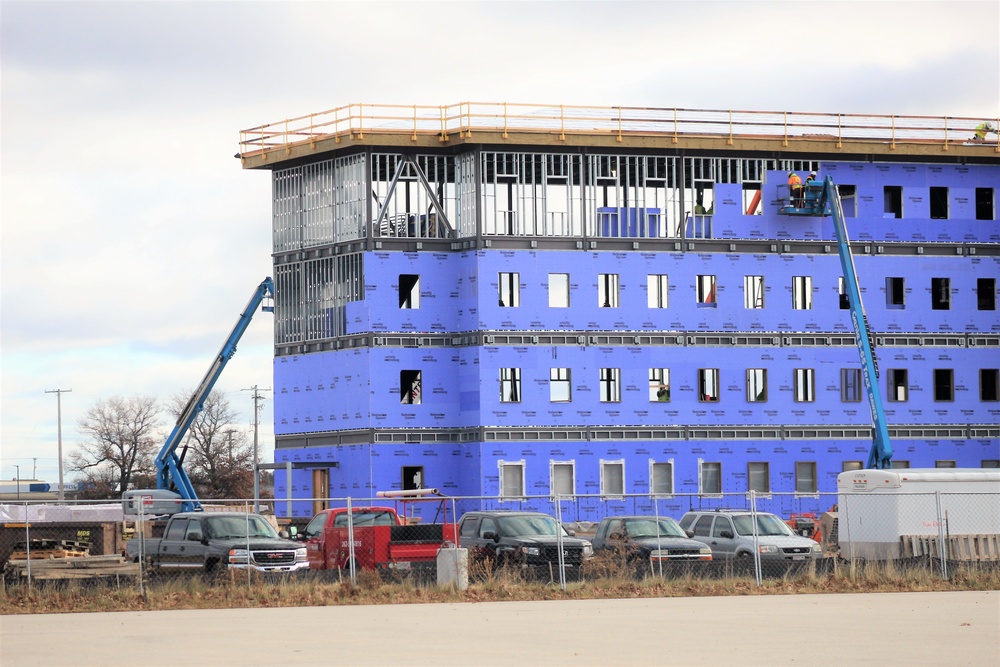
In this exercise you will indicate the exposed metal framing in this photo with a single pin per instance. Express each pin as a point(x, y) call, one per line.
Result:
point(617, 339)
point(628, 433)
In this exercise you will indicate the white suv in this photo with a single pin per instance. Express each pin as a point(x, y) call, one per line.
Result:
point(729, 533)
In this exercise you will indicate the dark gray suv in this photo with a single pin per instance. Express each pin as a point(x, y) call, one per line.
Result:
point(730, 535)
point(526, 540)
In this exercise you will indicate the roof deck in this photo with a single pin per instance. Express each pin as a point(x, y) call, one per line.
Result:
point(937, 138)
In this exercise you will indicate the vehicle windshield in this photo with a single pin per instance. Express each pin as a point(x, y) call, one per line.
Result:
point(767, 524)
point(225, 527)
point(647, 528)
point(516, 526)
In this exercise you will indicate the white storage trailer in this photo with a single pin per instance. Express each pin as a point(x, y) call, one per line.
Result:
point(889, 514)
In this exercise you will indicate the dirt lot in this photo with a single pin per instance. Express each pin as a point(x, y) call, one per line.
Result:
point(937, 628)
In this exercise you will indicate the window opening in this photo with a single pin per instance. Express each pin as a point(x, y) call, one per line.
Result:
point(848, 200)
point(611, 390)
point(607, 290)
point(985, 209)
point(893, 198)
point(852, 465)
point(413, 478)
point(409, 290)
point(560, 387)
point(900, 463)
point(805, 477)
point(941, 293)
point(708, 385)
point(845, 301)
point(510, 385)
point(409, 387)
point(613, 478)
point(510, 290)
point(989, 384)
point(802, 292)
point(659, 385)
point(944, 464)
point(705, 291)
point(850, 385)
point(563, 481)
point(897, 384)
point(805, 385)
point(511, 480)
point(939, 203)
point(656, 290)
point(753, 291)
point(944, 384)
point(661, 478)
point(558, 290)
point(895, 293)
point(758, 477)
point(986, 293)
point(710, 478)
point(990, 463)
point(756, 385)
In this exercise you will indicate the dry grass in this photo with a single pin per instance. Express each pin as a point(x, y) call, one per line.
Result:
point(604, 578)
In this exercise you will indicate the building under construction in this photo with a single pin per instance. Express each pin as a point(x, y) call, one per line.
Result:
point(517, 301)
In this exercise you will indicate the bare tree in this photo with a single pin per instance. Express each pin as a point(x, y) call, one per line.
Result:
point(219, 459)
point(123, 434)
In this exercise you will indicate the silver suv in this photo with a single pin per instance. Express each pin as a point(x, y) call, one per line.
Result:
point(729, 533)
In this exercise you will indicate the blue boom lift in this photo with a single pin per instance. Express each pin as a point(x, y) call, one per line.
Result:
point(821, 198)
point(170, 475)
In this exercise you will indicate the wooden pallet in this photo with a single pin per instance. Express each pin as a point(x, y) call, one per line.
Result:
point(89, 567)
point(48, 554)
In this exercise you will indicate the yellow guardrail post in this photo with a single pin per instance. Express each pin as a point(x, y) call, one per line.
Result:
point(730, 142)
point(892, 144)
point(312, 131)
point(361, 121)
point(675, 125)
point(945, 147)
point(562, 123)
point(619, 124)
point(504, 120)
point(413, 137)
point(784, 115)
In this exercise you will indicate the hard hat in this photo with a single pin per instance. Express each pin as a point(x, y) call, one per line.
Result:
point(812, 173)
point(790, 173)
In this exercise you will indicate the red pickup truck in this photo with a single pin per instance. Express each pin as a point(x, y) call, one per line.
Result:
point(383, 540)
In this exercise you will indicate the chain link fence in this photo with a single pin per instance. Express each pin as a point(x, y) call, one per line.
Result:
point(409, 538)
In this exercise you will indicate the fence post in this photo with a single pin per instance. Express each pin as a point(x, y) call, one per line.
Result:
point(27, 542)
point(561, 559)
point(350, 546)
point(942, 548)
point(756, 539)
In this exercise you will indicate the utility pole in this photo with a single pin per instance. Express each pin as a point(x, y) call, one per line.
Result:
point(257, 398)
point(59, 393)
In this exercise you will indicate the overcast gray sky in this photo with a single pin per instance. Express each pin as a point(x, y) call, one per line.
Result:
point(130, 239)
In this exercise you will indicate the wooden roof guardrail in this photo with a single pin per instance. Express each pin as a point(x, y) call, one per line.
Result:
point(558, 120)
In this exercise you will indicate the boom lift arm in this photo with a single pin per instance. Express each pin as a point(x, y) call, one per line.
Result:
point(824, 199)
point(170, 474)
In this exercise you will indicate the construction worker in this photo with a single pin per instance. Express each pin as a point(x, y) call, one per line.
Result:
point(795, 189)
point(982, 130)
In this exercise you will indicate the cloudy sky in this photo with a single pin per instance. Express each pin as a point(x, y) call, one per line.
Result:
point(131, 238)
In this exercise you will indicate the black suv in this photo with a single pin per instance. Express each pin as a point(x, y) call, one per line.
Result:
point(527, 540)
